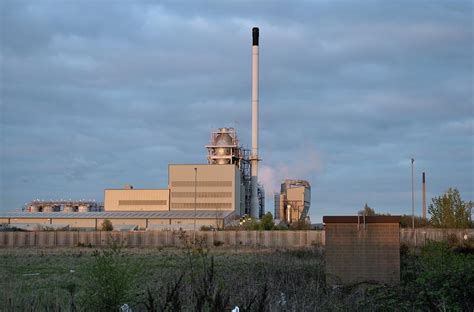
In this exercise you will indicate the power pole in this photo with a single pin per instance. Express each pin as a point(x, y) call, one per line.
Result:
point(412, 196)
point(195, 204)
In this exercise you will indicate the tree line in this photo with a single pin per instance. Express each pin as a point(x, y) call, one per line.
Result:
point(446, 211)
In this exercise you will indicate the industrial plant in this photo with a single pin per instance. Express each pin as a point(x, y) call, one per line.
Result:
point(293, 202)
point(213, 194)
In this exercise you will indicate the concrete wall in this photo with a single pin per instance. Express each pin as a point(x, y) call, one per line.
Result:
point(283, 239)
point(142, 223)
point(218, 187)
point(421, 236)
point(80, 223)
point(362, 253)
point(136, 200)
point(200, 222)
point(272, 239)
point(30, 220)
point(159, 221)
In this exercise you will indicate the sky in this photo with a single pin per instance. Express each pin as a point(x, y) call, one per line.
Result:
point(99, 94)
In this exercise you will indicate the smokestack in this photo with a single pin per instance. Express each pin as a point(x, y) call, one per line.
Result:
point(424, 197)
point(254, 157)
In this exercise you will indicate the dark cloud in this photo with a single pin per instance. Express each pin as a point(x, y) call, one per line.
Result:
point(100, 94)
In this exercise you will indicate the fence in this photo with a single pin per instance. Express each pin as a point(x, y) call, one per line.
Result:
point(270, 239)
point(420, 236)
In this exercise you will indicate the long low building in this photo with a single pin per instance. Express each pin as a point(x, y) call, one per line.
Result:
point(142, 219)
point(204, 194)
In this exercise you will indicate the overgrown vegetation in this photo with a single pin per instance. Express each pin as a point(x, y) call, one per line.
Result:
point(112, 274)
point(438, 277)
point(450, 211)
point(447, 211)
point(267, 224)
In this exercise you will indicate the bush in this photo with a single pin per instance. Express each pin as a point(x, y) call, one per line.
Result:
point(206, 228)
point(107, 225)
point(218, 243)
point(300, 225)
point(441, 278)
point(452, 239)
point(107, 281)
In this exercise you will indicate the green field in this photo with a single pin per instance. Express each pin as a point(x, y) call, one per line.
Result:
point(440, 277)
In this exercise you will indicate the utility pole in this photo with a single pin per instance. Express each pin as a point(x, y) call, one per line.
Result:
point(412, 196)
point(195, 204)
point(423, 205)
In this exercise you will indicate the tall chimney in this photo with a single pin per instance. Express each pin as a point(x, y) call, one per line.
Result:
point(254, 157)
point(424, 197)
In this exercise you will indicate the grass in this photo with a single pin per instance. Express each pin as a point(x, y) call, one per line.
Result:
point(154, 269)
point(254, 280)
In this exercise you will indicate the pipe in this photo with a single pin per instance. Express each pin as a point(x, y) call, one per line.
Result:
point(254, 157)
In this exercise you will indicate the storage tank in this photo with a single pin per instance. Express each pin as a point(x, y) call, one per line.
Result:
point(48, 209)
point(84, 208)
point(68, 209)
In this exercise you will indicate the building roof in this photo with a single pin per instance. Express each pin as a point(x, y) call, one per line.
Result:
point(176, 214)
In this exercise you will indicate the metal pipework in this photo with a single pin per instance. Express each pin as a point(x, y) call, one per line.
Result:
point(254, 156)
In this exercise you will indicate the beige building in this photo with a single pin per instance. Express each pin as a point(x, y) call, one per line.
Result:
point(136, 199)
point(206, 187)
point(293, 203)
point(147, 220)
point(206, 195)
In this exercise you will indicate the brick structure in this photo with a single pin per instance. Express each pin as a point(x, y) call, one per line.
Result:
point(362, 249)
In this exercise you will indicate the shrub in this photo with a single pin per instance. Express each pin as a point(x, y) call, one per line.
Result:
point(206, 228)
point(452, 239)
point(107, 225)
point(300, 225)
point(107, 281)
point(218, 243)
point(439, 279)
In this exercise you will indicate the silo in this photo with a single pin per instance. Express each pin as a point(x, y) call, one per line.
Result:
point(48, 209)
point(68, 208)
point(84, 208)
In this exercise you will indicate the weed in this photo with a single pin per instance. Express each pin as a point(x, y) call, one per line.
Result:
point(107, 281)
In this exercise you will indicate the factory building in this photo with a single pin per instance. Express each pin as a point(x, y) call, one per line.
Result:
point(148, 220)
point(130, 199)
point(293, 202)
point(211, 194)
point(204, 187)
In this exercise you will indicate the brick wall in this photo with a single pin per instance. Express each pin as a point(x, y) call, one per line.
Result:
point(358, 253)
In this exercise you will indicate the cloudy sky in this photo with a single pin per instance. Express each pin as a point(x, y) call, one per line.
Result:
point(99, 94)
